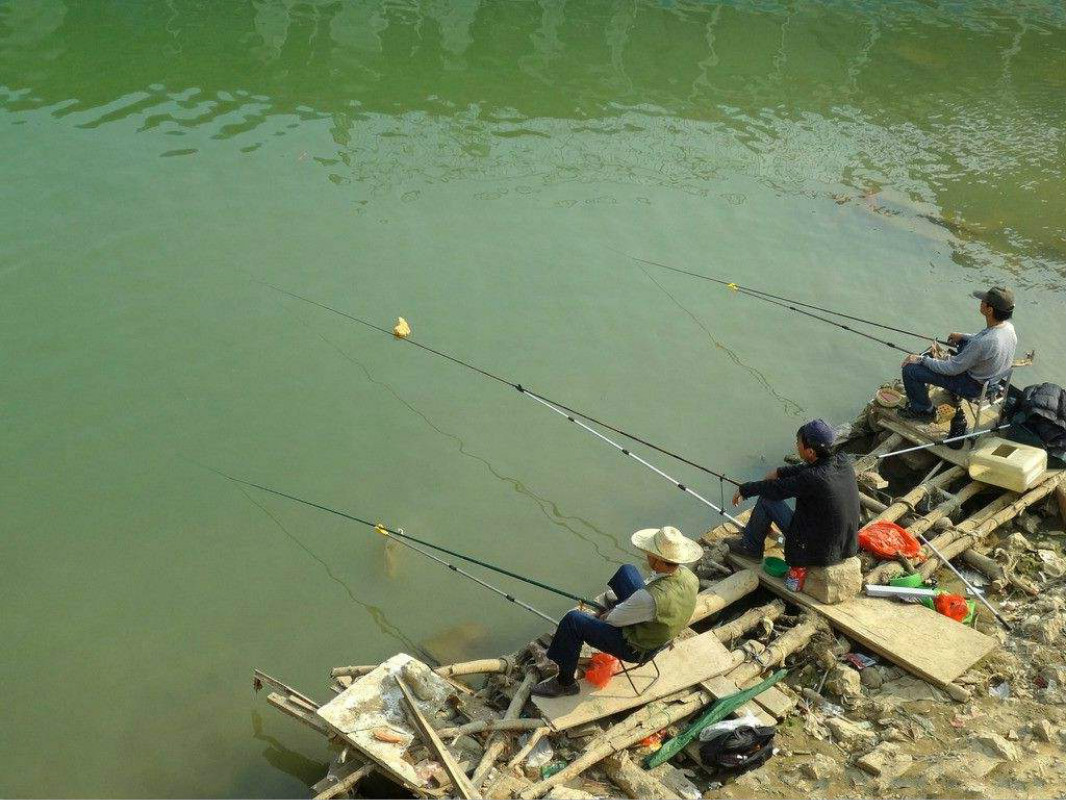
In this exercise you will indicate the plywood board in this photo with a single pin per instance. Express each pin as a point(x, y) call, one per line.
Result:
point(686, 663)
point(919, 640)
point(375, 701)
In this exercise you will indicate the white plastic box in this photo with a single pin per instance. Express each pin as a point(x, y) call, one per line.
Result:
point(1007, 464)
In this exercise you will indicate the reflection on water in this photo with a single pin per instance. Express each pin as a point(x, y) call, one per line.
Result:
point(445, 90)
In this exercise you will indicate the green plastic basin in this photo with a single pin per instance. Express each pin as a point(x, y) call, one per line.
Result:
point(774, 566)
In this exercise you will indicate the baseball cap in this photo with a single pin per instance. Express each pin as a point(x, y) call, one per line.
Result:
point(818, 431)
point(999, 297)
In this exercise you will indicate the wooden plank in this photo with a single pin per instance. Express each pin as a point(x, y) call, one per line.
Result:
point(459, 780)
point(919, 640)
point(686, 663)
point(773, 700)
point(923, 434)
point(341, 780)
point(287, 706)
point(375, 701)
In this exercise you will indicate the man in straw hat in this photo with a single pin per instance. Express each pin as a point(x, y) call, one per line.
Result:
point(982, 358)
point(647, 616)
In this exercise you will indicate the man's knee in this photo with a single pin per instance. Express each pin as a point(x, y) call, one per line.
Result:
point(912, 371)
point(626, 572)
point(573, 620)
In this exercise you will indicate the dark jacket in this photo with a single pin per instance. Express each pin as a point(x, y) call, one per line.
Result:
point(824, 529)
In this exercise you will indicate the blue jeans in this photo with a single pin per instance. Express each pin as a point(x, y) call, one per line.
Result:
point(577, 627)
point(758, 527)
point(917, 378)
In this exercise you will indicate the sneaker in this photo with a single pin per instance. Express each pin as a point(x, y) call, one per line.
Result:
point(917, 414)
point(737, 546)
point(552, 688)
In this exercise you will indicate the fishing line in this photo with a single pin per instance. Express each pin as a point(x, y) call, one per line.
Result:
point(793, 305)
point(625, 451)
point(399, 534)
point(521, 389)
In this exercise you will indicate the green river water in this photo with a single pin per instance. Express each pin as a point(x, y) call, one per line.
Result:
point(473, 167)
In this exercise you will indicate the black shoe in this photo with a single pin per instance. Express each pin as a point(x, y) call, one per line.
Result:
point(917, 415)
point(736, 545)
point(552, 688)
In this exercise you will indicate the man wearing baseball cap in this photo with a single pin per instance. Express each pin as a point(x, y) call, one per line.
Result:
point(647, 616)
point(823, 530)
point(980, 358)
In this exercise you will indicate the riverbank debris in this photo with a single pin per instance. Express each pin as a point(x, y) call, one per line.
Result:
point(471, 729)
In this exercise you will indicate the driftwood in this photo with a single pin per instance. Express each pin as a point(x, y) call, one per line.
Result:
point(782, 647)
point(491, 726)
point(998, 573)
point(353, 671)
point(947, 508)
point(634, 780)
point(496, 743)
point(745, 622)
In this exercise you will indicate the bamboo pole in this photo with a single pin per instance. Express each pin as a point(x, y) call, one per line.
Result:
point(345, 784)
point(782, 647)
point(948, 507)
point(871, 503)
point(496, 743)
point(527, 748)
point(968, 533)
point(515, 725)
point(748, 620)
point(649, 719)
point(352, 671)
point(910, 500)
point(482, 666)
point(890, 569)
point(869, 461)
point(726, 591)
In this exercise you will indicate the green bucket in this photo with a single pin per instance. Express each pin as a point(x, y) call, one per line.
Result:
point(774, 566)
point(912, 581)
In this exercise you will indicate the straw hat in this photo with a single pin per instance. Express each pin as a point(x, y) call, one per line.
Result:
point(667, 543)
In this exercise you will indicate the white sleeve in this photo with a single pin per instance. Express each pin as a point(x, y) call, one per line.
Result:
point(638, 607)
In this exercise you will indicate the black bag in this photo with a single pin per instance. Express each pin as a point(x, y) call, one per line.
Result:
point(1038, 416)
point(738, 750)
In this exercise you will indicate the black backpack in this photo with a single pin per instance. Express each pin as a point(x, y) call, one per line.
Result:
point(738, 750)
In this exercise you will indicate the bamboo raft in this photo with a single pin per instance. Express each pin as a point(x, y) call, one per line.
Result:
point(471, 729)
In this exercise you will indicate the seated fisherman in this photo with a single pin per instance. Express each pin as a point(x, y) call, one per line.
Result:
point(823, 529)
point(647, 616)
point(981, 357)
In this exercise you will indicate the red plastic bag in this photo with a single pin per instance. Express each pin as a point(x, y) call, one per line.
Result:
point(601, 668)
point(952, 605)
point(886, 540)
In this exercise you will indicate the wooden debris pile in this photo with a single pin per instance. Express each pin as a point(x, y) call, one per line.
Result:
point(472, 730)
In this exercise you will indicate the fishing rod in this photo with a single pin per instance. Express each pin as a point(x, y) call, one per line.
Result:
point(565, 410)
point(399, 534)
point(948, 440)
point(979, 595)
point(521, 389)
point(795, 305)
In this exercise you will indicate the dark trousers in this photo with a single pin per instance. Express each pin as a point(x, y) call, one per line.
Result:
point(917, 378)
point(577, 628)
point(758, 527)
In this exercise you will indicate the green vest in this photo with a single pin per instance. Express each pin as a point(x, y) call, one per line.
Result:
point(675, 600)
